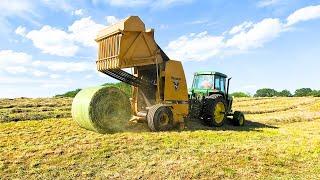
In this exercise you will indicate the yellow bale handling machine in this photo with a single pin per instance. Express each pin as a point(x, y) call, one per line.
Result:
point(159, 90)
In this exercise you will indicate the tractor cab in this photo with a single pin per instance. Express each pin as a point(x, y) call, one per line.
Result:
point(209, 82)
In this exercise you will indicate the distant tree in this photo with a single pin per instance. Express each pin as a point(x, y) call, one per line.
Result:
point(69, 93)
point(303, 92)
point(315, 93)
point(240, 94)
point(284, 93)
point(122, 86)
point(266, 92)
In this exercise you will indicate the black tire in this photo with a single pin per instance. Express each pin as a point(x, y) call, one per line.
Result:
point(238, 119)
point(156, 116)
point(195, 109)
point(210, 106)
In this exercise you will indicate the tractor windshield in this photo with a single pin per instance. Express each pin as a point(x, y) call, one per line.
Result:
point(203, 82)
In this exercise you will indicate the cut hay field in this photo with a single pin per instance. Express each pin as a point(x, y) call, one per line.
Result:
point(281, 140)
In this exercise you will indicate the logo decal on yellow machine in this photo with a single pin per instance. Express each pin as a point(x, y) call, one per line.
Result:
point(175, 81)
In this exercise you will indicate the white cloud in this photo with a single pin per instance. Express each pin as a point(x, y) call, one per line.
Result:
point(265, 3)
point(40, 78)
point(111, 19)
point(38, 73)
point(21, 31)
point(203, 46)
point(167, 3)
point(73, 66)
point(63, 5)
point(304, 14)
point(84, 31)
point(55, 76)
point(89, 76)
point(245, 36)
point(33, 87)
point(239, 39)
point(15, 7)
point(102, 75)
point(144, 3)
point(164, 26)
point(130, 3)
point(195, 47)
point(203, 21)
point(241, 27)
point(13, 62)
point(260, 33)
point(23, 9)
point(54, 41)
point(9, 58)
point(55, 85)
point(18, 68)
point(18, 62)
point(15, 69)
point(27, 9)
point(78, 12)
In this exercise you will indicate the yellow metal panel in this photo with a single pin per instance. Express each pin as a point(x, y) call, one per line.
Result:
point(131, 23)
point(180, 111)
point(175, 88)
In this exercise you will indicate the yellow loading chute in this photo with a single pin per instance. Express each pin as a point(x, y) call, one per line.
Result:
point(127, 44)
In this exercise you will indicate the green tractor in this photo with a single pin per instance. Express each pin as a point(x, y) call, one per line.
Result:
point(210, 100)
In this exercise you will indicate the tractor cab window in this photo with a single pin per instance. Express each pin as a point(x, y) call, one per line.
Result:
point(203, 82)
point(222, 84)
point(219, 83)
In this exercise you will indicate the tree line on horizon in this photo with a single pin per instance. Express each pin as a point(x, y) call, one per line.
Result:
point(268, 92)
point(122, 86)
point(264, 92)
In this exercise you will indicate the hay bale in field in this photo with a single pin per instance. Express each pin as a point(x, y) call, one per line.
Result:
point(101, 109)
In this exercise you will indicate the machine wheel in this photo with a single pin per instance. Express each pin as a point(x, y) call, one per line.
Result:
point(238, 119)
point(195, 109)
point(215, 110)
point(160, 118)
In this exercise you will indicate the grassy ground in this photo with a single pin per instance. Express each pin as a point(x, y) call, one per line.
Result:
point(22, 109)
point(280, 140)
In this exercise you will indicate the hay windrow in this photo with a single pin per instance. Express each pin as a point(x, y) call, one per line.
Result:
point(102, 109)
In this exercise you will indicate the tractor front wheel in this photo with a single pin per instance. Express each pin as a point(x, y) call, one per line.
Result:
point(160, 118)
point(238, 118)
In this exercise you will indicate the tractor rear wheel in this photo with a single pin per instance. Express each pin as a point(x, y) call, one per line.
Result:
point(160, 118)
point(215, 110)
point(238, 119)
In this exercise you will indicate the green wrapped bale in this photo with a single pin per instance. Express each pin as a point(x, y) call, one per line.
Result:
point(101, 109)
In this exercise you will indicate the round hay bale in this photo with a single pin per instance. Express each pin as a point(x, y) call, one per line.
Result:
point(101, 109)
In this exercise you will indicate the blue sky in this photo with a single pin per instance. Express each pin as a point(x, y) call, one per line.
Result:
point(47, 46)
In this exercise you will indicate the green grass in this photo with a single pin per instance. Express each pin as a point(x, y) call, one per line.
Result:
point(22, 109)
point(263, 149)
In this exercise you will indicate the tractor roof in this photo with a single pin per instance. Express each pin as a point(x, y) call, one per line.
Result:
point(210, 73)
